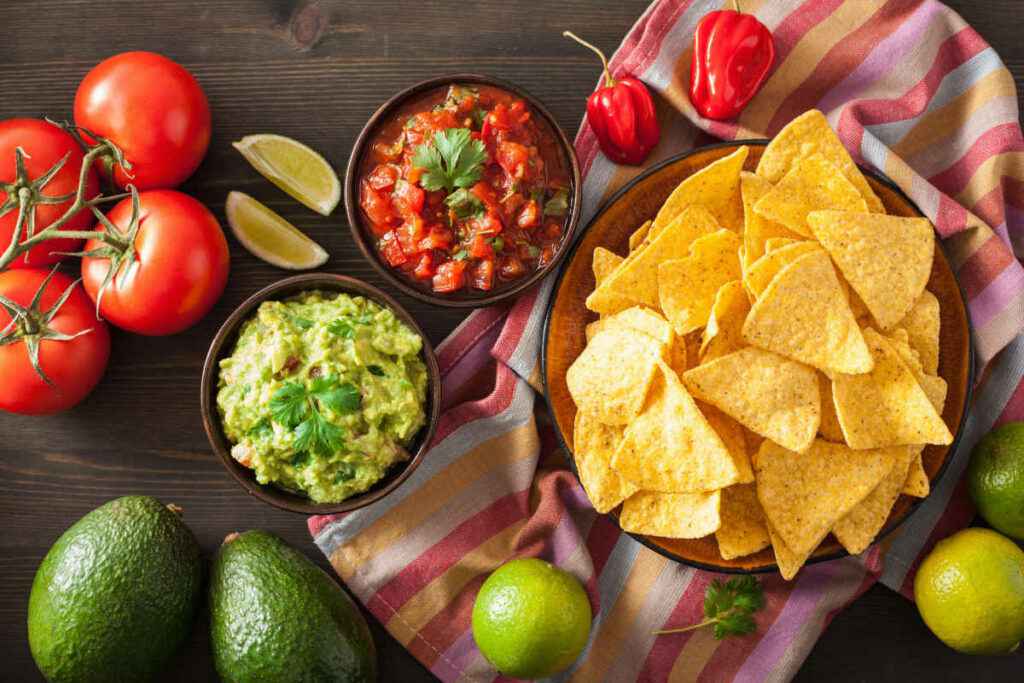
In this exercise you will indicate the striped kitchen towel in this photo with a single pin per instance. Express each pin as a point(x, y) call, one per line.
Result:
point(915, 93)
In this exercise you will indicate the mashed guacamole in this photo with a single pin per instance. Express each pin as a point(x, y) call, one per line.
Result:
point(322, 393)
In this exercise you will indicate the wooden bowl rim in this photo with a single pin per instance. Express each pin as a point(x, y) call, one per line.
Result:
point(369, 250)
point(280, 498)
point(645, 540)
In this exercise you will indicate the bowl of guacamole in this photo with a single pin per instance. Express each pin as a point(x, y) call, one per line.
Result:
point(320, 394)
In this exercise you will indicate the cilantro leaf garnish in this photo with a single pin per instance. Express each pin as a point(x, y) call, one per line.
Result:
point(288, 406)
point(465, 204)
point(345, 326)
point(729, 607)
point(318, 435)
point(344, 472)
point(341, 397)
point(558, 204)
point(302, 410)
point(452, 159)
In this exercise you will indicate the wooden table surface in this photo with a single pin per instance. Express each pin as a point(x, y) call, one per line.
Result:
point(314, 71)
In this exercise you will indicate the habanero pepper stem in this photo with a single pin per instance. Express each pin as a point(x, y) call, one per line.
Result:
point(622, 114)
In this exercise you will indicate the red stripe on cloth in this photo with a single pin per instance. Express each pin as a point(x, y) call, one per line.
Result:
point(950, 217)
point(796, 25)
point(953, 52)
point(515, 324)
point(957, 515)
point(984, 266)
point(1014, 410)
point(448, 625)
point(447, 552)
point(476, 326)
point(996, 140)
point(666, 648)
point(604, 534)
point(839, 61)
point(992, 207)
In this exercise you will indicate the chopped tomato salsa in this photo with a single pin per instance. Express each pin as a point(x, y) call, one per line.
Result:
point(465, 188)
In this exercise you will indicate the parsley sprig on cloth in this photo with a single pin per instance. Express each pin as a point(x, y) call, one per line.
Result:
point(729, 607)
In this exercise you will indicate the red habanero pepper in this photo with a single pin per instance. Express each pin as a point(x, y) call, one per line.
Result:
point(732, 56)
point(622, 115)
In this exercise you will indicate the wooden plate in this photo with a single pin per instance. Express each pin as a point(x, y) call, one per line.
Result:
point(640, 200)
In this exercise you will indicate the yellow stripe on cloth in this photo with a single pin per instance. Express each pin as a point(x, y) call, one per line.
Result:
point(603, 650)
point(391, 529)
point(990, 174)
point(694, 656)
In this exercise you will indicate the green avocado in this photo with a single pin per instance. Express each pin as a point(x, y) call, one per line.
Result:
point(116, 595)
point(276, 616)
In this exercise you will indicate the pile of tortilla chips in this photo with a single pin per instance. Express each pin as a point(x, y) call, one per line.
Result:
point(764, 367)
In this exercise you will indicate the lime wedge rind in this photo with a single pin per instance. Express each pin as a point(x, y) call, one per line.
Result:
point(268, 236)
point(304, 174)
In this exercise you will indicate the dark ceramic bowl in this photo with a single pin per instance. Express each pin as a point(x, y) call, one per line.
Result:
point(222, 346)
point(640, 199)
point(367, 242)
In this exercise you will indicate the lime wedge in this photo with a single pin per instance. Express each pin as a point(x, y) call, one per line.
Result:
point(293, 167)
point(270, 237)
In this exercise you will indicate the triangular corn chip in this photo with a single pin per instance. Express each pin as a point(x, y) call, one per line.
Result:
point(768, 394)
point(789, 561)
point(604, 263)
point(922, 327)
point(687, 286)
point(743, 530)
point(813, 184)
point(917, 483)
point(757, 229)
point(637, 278)
point(610, 378)
point(671, 515)
point(593, 444)
point(829, 427)
point(715, 187)
point(639, 236)
point(887, 406)
point(807, 135)
point(731, 433)
point(670, 447)
point(935, 388)
point(804, 494)
point(805, 316)
point(886, 259)
point(763, 271)
point(636, 318)
point(859, 527)
point(773, 243)
point(724, 331)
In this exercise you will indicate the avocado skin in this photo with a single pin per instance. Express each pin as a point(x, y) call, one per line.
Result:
point(276, 616)
point(116, 595)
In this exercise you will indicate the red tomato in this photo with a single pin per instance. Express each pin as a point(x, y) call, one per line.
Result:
point(179, 272)
point(73, 366)
point(425, 268)
point(44, 145)
point(482, 277)
point(450, 277)
point(154, 110)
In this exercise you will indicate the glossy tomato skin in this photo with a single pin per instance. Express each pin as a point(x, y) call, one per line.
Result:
point(154, 110)
point(74, 366)
point(44, 144)
point(180, 270)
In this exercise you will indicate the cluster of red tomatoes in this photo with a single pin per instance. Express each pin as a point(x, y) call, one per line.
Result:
point(53, 350)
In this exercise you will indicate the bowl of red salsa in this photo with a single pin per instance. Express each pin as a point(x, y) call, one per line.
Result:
point(463, 191)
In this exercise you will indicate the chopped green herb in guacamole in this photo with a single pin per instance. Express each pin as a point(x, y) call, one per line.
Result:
point(322, 394)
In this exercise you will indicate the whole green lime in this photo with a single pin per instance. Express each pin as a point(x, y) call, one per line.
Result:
point(970, 592)
point(995, 479)
point(531, 619)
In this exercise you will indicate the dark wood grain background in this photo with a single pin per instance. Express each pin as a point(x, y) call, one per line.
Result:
point(315, 71)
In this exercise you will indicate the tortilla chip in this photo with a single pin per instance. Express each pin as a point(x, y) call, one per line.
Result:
point(814, 183)
point(692, 342)
point(604, 263)
point(757, 229)
point(715, 187)
point(677, 356)
point(805, 494)
point(593, 445)
point(886, 259)
point(742, 531)
point(935, 388)
point(636, 318)
point(671, 515)
point(805, 136)
point(671, 447)
point(639, 236)
point(859, 527)
point(789, 562)
point(687, 286)
point(637, 278)
point(611, 377)
point(773, 243)
point(724, 331)
point(803, 315)
point(887, 406)
point(829, 427)
point(768, 394)
point(922, 327)
point(917, 483)
point(763, 271)
point(731, 433)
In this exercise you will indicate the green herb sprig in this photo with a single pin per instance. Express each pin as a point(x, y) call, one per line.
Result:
point(451, 160)
point(729, 607)
point(301, 409)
